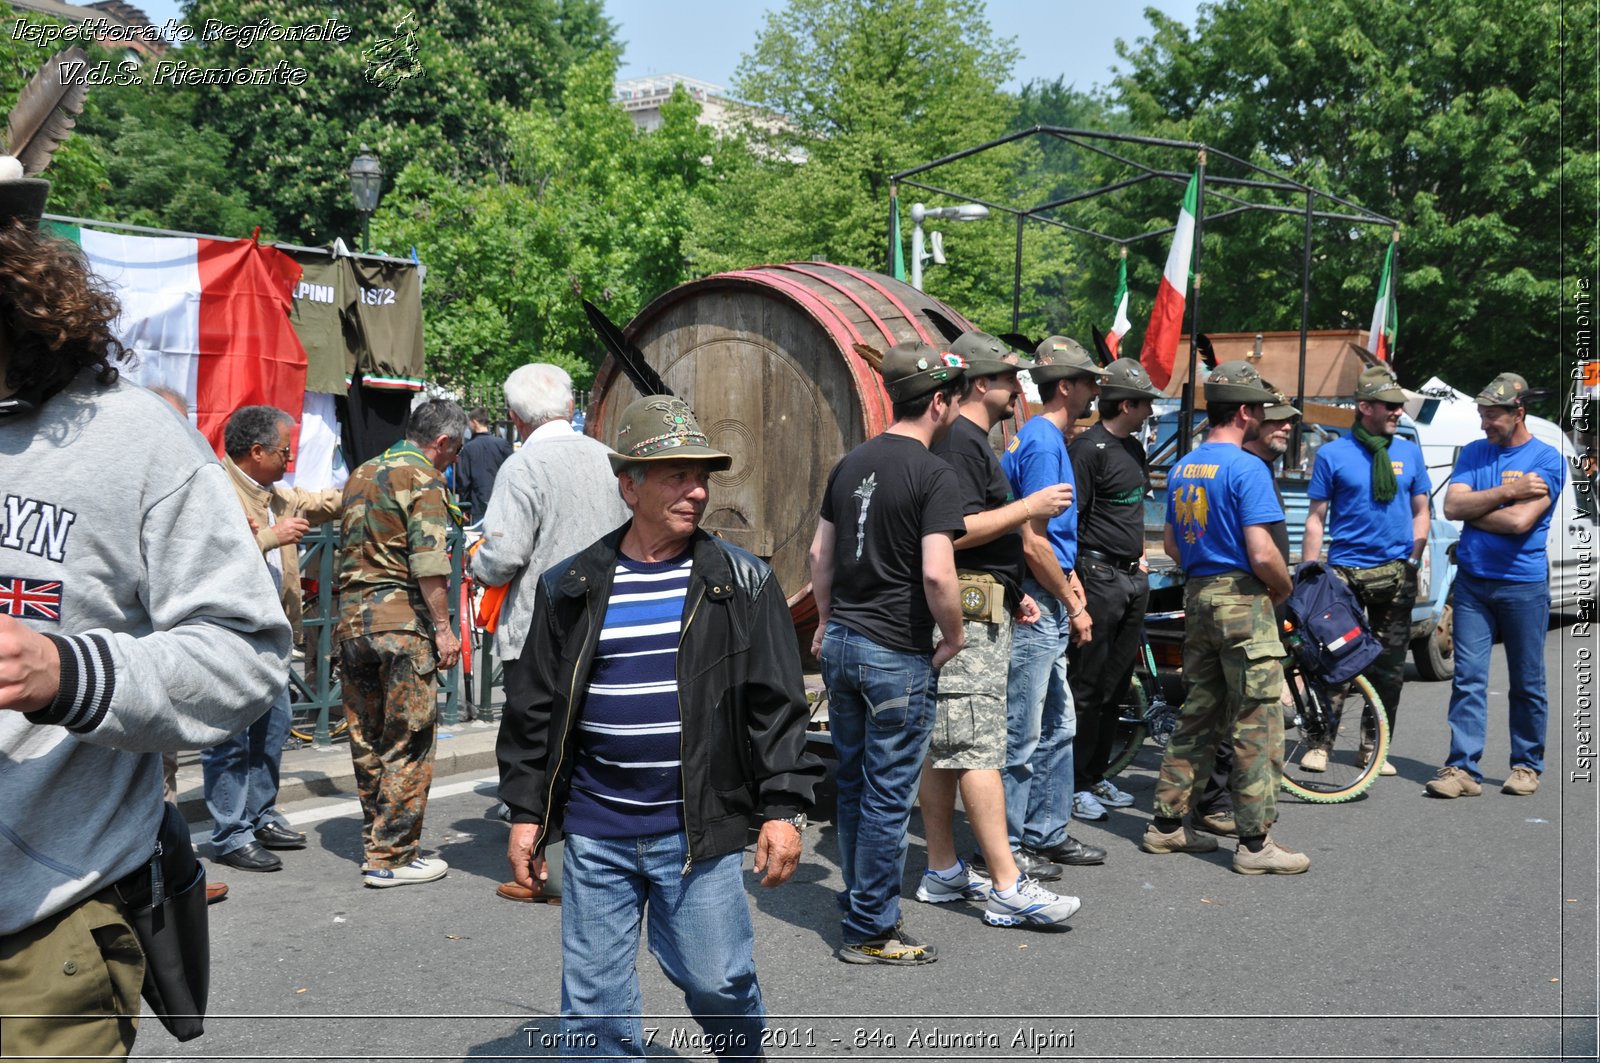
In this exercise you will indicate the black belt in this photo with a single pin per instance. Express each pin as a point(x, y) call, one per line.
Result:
point(1115, 562)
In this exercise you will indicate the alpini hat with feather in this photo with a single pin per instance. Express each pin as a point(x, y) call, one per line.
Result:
point(1063, 358)
point(1127, 379)
point(663, 428)
point(983, 354)
point(911, 369)
point(1237, 382)
point(40, 121)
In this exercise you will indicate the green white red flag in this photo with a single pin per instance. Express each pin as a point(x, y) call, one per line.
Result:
point(897, 255)
point(1119, 323)
point(207, 318)
point(1160, 351)
point(1385, 314)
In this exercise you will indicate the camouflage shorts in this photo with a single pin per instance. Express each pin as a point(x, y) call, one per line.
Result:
point(970, 730)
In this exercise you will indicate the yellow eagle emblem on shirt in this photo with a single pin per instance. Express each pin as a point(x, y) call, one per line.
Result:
point(1192, 510)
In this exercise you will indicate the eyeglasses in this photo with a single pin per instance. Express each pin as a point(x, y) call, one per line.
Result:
point(288, 455)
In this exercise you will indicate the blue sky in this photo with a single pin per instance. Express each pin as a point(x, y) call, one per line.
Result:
point(705, 38)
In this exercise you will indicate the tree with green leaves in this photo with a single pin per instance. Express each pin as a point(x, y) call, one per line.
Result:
point(588, 208)
point(841, 95)
point(1082, 297)
point(161, 166)
point(468, 67)
point(1441, 113)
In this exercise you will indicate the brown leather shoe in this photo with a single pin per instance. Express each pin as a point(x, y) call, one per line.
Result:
point(215, 891)
point(512, 891)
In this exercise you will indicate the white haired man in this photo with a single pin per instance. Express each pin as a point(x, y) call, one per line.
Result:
point(552, 498)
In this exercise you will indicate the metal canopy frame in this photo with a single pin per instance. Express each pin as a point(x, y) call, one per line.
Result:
point(1091, 141)
point(146, 230)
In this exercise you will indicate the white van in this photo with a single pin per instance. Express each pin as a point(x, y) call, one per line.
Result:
point(1572, 545)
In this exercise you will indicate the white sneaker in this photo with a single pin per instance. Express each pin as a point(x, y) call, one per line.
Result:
point(1032, 904)
point(419, 870)
point(968, 885)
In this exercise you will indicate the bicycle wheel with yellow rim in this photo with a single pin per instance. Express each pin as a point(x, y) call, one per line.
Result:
point(303, 724)
point(1355, 742)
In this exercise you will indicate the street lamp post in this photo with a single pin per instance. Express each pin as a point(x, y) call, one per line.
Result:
point(366, 186)
point(965, 212)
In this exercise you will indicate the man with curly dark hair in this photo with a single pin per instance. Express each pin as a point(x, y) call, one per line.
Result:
point(135, 617)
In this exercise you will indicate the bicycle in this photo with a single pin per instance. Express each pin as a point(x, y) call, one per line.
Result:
point(1144, 716)
point(303, 716)
point(1356, 743)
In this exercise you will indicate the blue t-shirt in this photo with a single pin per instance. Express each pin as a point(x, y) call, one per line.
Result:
point(1213, 492)
point(1037, 458)
point(1366, 533)
point(1489, 555)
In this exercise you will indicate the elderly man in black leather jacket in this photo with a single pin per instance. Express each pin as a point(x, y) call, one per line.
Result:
point(664, 711)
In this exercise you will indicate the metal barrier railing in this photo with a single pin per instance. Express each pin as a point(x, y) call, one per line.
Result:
point(314, 683)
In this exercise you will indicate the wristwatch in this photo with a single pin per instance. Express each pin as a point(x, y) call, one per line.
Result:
point(797, 821)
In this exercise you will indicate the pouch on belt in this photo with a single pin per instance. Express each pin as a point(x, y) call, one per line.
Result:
point(983, 597)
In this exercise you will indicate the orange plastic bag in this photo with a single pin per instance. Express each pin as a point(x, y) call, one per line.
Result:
point(488, 617)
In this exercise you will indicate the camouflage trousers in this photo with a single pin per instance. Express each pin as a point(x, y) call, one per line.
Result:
point(393, 709)
point(1388, 593)
point(1232, 679)
point(969, 729)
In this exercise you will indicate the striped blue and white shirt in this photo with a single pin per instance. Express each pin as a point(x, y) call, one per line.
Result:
point(626, 781)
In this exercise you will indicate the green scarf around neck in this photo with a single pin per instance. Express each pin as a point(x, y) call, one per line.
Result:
point(1384, 486)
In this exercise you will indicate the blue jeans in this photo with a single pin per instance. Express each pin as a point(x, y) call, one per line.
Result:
point(1520, 613)
point(881, 706)
point(241, 778)
point(1041, 725)
point(700, 933)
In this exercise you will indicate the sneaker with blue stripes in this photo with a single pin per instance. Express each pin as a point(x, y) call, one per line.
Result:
point(967, 885)
point(1106, 792)
point(419, 870)
point(1031, 904)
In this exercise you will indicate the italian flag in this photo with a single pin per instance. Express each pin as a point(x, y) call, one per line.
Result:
point(206, 318)
point(1385, 314)
point(1160, 350)
point(1120, 323)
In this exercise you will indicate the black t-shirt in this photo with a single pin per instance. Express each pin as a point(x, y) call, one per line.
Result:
point(1109, 488)
point(882, 498)
point(983, 486)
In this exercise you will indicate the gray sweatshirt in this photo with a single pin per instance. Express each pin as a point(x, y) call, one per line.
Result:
point(551, 499)
point(121, 540)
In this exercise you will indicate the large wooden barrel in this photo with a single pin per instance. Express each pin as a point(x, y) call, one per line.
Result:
point(765, 357)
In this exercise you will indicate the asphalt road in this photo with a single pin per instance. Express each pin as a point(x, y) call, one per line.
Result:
point(1426, 929)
